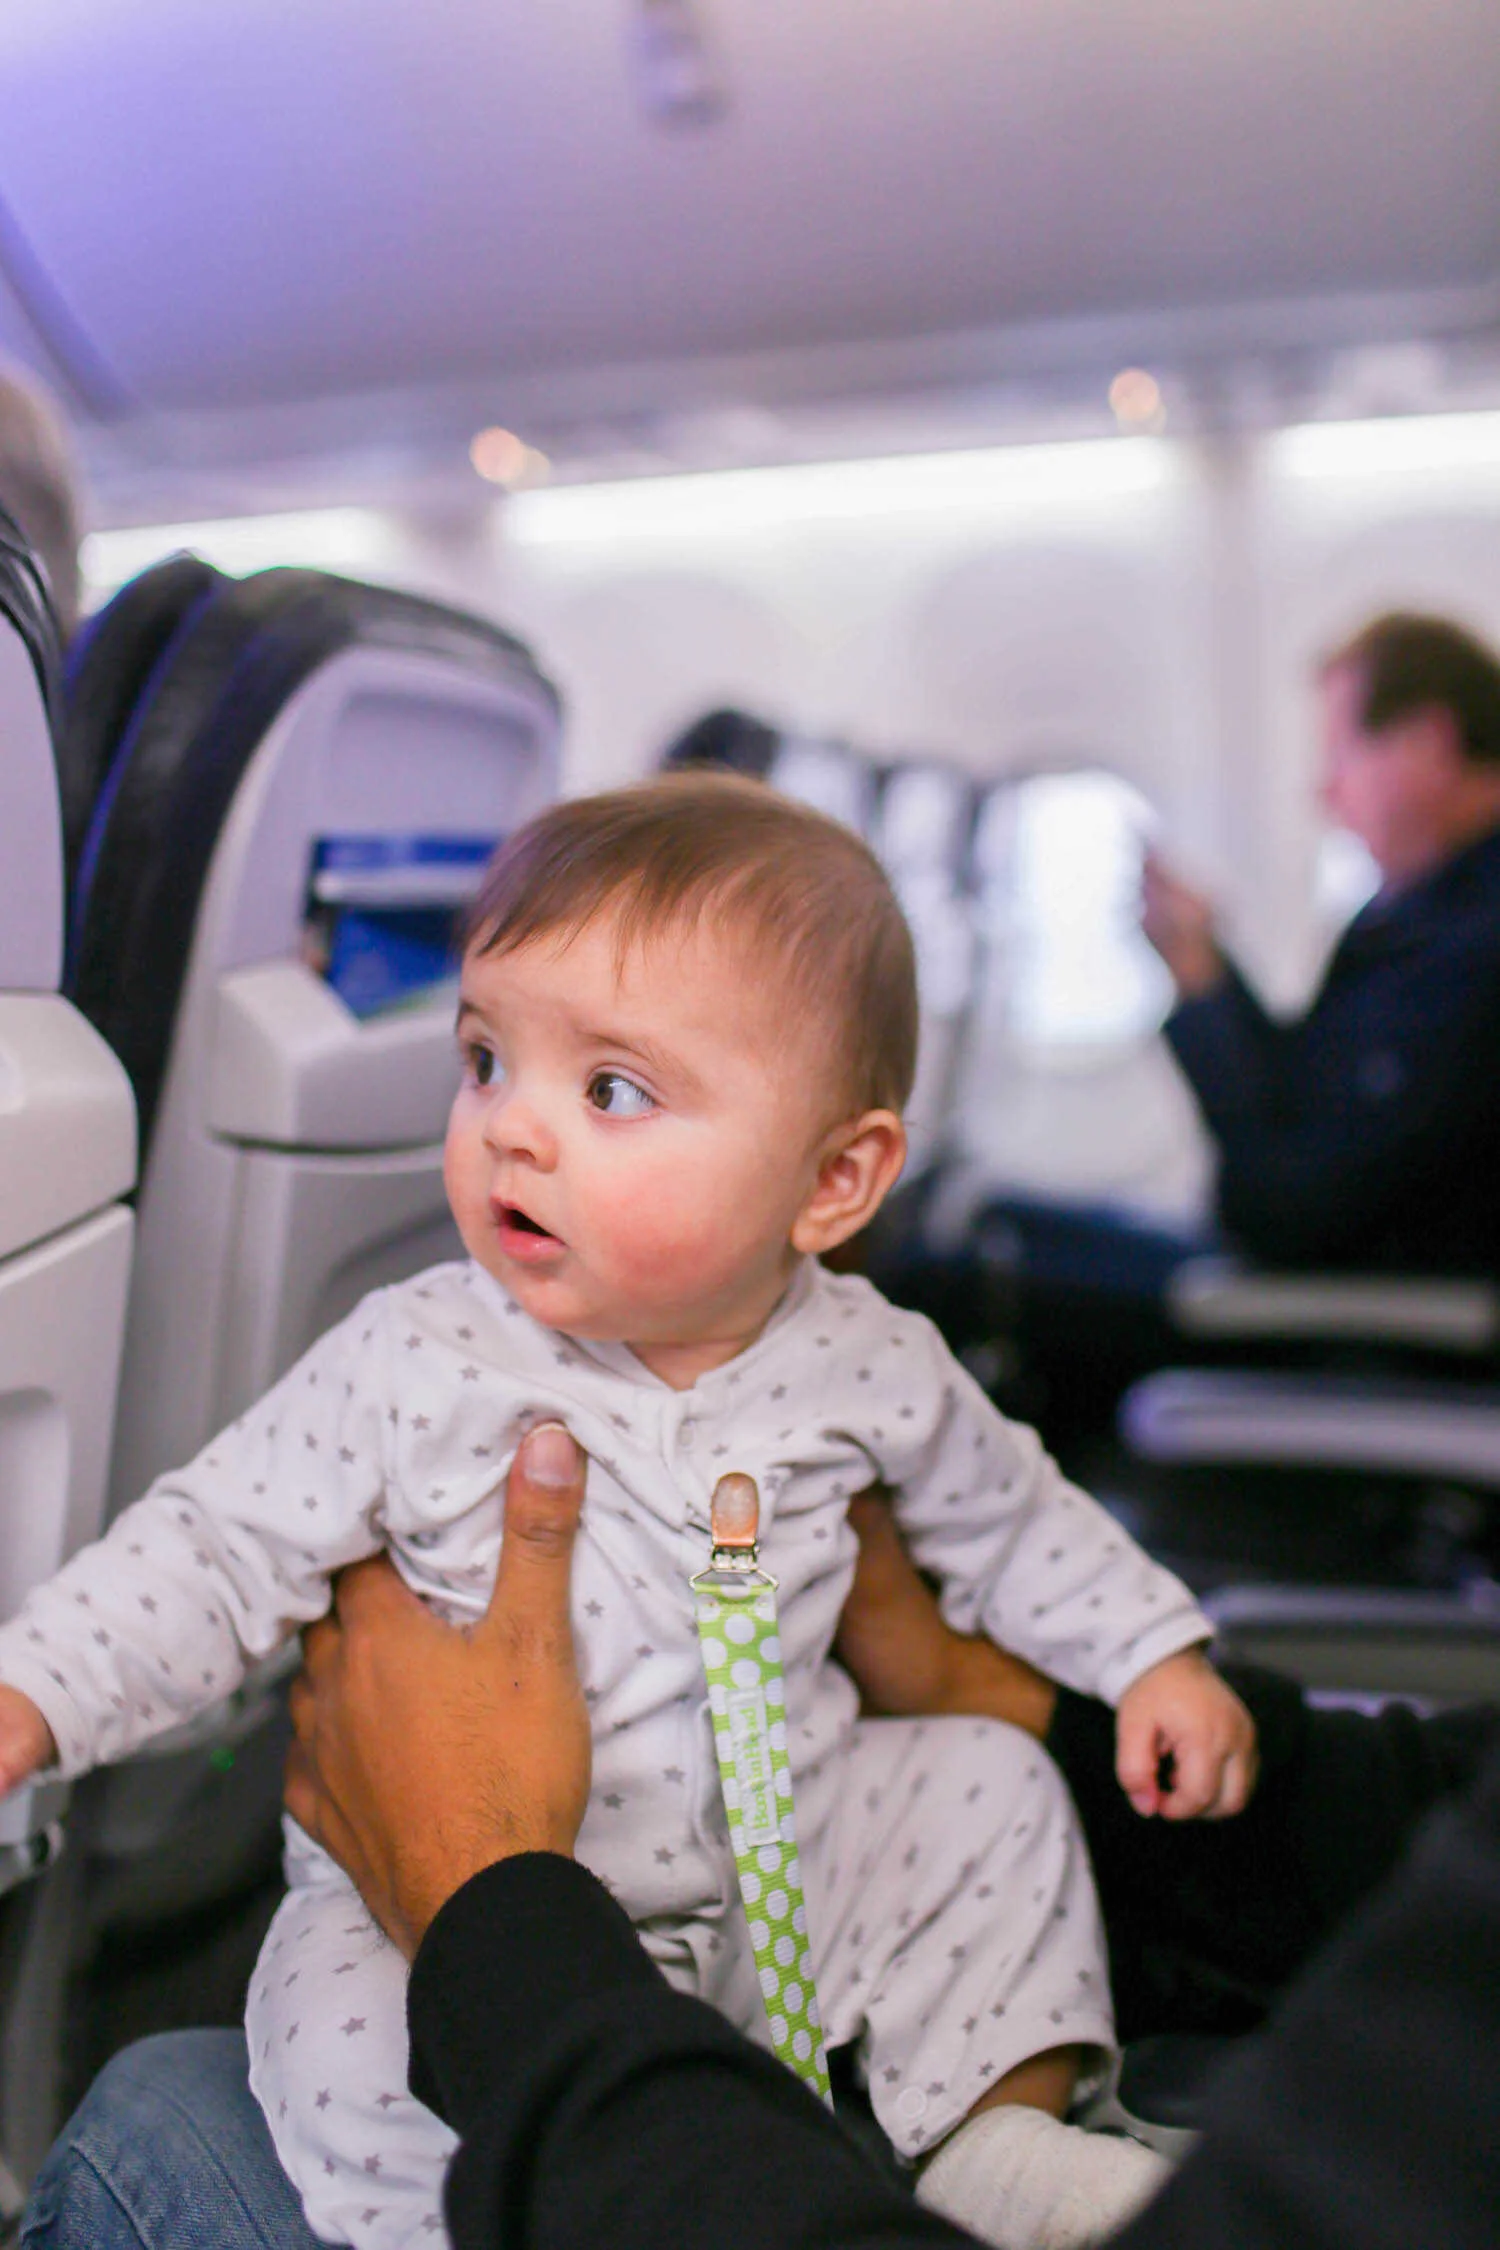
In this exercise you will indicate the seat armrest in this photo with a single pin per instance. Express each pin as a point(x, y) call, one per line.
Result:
point(1205, 1416)
point(1219, 1297)
point(1441, 1648)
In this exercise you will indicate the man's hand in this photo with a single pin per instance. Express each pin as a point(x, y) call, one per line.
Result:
point(424, 1753)
point(1182, 1713)
point(26, 1743)
point(1179, 923)
point(904, 1660)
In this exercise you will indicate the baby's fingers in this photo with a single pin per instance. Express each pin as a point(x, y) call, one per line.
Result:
point(1138, 1754)
point(1241, 1770)
point(1197, 1772)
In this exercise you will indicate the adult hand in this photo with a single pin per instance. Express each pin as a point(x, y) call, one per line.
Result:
point(904, 1660)
point(1179, 922)
point(424, 1752)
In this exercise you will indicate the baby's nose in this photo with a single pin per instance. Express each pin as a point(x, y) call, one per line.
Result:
point(517, 1126)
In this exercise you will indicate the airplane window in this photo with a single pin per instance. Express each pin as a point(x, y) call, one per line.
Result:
point(1057, 861)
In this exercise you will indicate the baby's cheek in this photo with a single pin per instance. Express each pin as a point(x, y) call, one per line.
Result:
point(662, 1233)
point(656, 1259)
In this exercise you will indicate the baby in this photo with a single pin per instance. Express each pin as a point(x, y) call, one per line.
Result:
point(687, 1025)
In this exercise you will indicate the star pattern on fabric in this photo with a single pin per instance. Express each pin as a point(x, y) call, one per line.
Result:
point(475, 1407)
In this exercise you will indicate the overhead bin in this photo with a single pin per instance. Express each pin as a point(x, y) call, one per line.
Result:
point(67, 1154)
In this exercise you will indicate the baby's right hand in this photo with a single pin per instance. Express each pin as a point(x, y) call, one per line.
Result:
point(26, 1742)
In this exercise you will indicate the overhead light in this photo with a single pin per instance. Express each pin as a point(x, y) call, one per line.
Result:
point(1393, 445)
point(1136, 401)
point(1004, 481)
point(499, 456)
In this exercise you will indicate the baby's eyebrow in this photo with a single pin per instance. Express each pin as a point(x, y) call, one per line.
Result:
point(659, 1060)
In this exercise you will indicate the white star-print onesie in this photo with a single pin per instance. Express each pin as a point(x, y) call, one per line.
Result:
point(952, 1920)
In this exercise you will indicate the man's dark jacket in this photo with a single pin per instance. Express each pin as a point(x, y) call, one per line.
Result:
point(1366, 1133)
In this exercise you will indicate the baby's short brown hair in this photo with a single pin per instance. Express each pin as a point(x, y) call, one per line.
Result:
point(811, 901)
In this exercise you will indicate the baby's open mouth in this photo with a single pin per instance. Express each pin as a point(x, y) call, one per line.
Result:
point(520, 1234)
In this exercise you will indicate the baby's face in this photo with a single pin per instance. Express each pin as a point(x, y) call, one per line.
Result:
point(630, 1148)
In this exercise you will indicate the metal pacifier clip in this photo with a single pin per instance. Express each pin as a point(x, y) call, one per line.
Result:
point(736, 1606)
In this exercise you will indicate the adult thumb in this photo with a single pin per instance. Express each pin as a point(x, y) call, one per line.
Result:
point(543, 1502)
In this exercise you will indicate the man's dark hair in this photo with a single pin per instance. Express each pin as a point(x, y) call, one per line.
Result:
point(1409, 663)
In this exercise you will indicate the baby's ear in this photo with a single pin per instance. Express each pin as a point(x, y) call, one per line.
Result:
point(860, 1164)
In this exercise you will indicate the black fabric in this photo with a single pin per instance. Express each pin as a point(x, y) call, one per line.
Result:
point(26, 603)
point(595, 2105)
point(1208, 1920)
point(245, 647)
point(108, 667)
point(1368, 2116)
point(1367, 1132)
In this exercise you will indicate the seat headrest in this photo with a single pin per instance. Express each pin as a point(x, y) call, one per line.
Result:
point(230, 653)
point(108, 666)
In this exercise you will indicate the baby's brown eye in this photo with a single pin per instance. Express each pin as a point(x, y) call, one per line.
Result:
point(482, 1063)
point(618, 1096)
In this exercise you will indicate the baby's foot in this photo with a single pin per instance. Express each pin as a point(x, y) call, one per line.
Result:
point(1021, 2180)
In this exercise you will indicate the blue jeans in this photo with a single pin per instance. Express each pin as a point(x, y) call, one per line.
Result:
point(168, 2151)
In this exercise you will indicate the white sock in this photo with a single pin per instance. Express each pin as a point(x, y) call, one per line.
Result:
point(1021, 2180)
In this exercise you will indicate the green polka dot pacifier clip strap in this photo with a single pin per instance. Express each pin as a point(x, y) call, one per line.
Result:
point(747, 1699)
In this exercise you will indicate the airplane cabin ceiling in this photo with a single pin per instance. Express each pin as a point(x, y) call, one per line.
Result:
point(220, 202)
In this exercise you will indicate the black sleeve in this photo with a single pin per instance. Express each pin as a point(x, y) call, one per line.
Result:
point(1231, 1052)
point(1325, 1127)
point(1368, 2117)
point(599, 2110)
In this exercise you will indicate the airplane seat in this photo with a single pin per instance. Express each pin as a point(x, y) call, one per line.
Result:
point(1370, 1423)
point(299, 796)
point(67, 1157)
point(108, 664)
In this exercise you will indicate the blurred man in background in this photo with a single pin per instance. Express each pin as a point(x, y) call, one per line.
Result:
point(1366, 1132)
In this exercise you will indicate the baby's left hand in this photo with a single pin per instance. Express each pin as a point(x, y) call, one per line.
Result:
point(1182, 1712)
